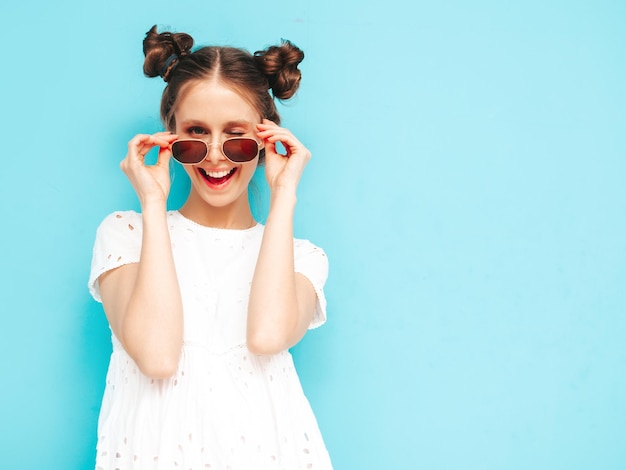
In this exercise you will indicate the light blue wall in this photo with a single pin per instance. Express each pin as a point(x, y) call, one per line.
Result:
point(468, 185)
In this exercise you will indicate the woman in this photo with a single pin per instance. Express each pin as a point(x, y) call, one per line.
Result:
point(204, 302)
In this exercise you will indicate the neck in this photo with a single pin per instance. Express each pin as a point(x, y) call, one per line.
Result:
point(236, 216)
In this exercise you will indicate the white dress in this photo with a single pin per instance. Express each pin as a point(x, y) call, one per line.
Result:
point(225, 408)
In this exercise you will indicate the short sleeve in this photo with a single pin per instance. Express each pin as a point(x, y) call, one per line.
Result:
point(311, 262)
point(118, 242)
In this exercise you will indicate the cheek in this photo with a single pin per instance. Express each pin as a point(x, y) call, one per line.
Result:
point(248, 169)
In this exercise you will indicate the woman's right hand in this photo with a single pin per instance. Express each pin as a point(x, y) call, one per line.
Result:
point(151, 183)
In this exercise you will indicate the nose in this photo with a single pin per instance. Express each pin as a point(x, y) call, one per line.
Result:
point(214, 152)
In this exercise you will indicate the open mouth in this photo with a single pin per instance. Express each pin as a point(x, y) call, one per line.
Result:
point(217, 178)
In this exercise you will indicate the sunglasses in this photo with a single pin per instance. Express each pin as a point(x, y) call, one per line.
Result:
point(237, 150)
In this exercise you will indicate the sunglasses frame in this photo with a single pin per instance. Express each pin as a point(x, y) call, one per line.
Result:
point(260, 150)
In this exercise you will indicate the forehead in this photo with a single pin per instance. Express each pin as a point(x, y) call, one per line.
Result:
point(215, 103)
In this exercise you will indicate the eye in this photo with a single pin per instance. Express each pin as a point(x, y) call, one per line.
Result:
point(196, 130)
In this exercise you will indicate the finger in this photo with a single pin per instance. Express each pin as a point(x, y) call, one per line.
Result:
point(166, 136)
point(141, 144)
point(289, 142)
point(162, 139)
point(267, 122)
point(163, 159)
point(270, 128)
point(275, 133)
point(139, 139)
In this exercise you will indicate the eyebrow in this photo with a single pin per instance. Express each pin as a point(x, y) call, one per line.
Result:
point(241, 122)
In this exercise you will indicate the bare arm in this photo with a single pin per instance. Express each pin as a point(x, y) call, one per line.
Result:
point(142, 301)
point(282, 302)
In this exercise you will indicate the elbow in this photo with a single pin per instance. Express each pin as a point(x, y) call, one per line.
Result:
point(156, 358)
point(266, 344)
point(161, 367)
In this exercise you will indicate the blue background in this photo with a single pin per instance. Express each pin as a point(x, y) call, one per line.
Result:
point(467, 183)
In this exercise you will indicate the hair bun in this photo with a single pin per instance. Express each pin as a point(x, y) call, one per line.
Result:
point(163, 51)
point(280, 66)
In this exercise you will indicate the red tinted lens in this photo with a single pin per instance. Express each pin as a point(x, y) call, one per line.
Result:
point(189, 152)
point(240, 150)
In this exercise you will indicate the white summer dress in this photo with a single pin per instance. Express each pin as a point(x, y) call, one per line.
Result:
point(225, 408)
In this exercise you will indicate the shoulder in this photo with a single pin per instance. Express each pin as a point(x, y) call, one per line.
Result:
point(310, 260)
point(118, 242)
point(123, 227)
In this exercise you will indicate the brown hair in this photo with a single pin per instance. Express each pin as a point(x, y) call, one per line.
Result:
point(169, 55)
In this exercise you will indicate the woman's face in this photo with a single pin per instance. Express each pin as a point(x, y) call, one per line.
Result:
point(212, 112)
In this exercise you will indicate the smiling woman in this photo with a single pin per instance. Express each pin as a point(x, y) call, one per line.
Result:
point(211, 110)
point(204, 302)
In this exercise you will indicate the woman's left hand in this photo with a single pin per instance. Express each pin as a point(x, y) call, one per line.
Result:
point(282, 171)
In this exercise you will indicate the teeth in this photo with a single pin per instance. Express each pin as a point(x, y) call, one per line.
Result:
point(217, 174)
